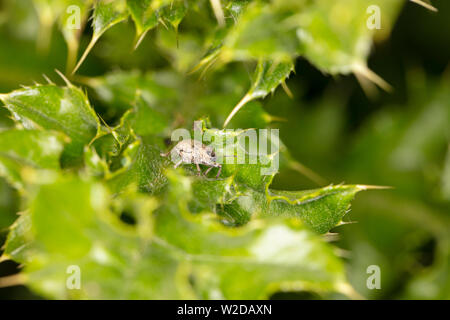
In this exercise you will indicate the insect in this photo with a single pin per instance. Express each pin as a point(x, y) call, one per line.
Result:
point(193, 151)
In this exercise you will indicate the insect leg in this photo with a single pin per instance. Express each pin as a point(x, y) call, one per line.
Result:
point(177, 164)
point(199, 171)
point(218, 173)
point(208, 170)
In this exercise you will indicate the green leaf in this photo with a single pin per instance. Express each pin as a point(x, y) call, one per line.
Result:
point(249, 166)
point(244, 191)
point(336, 42)
point(48, 12)
point(143, 168)
point(268, 76)
point(333, 35)
point(446, 177)
point(236, 7)
point(91, 238)
point(425, 5)
point(144, 17)
point(260, 34)
point(63, 109)
point(18, 243)
point(250, 253)
point(71, 23)
point(425, 134)
point(95, 165)
point(120, 89)
point(167, 94)
point(9, 200)
point(145, 120)
point(321, 209)
point(21, 149)
point(183, 49)
point(139, 229)
point(181, 256)
point(414, 140)
point(107, 13)
point(174, 12)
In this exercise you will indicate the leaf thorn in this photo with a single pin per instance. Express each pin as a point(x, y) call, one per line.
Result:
point(85, 53)
point(140, 38)
point(68, 83)
point(286, 89)
point(240, 104)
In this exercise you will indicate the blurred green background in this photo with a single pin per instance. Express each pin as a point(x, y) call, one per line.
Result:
point(398, 139)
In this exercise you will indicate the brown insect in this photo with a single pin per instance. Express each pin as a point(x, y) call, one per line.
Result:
point(193, 151)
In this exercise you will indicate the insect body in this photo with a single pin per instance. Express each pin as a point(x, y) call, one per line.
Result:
point(193, 151)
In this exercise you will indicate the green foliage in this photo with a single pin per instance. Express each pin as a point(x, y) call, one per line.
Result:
point(268, 75)
point(96, 192)
point(49, 107)
point(125, 159)
point(27, 148)
point(164, 251)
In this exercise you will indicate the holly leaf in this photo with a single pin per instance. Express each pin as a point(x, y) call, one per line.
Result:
point(107, 13)
point(143, 168)
point(90, 239)
point(337, 43)
point(145, 119)
point(175, 12)
point(62, 109)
